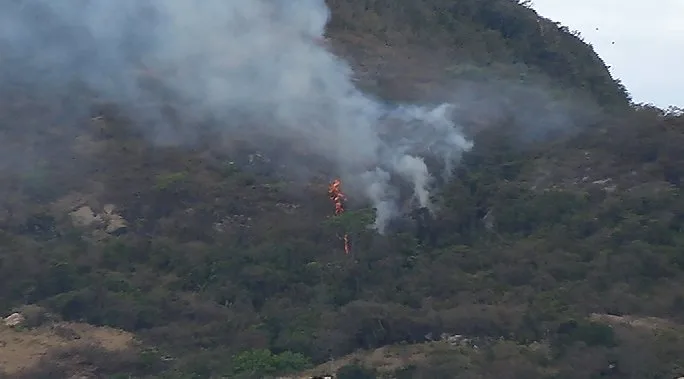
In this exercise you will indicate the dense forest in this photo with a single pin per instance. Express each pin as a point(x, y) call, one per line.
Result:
point(549, 257)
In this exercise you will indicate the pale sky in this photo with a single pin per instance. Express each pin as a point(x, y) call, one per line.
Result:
point(641, 40)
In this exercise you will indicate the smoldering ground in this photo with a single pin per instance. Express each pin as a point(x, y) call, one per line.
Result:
point(255, 66)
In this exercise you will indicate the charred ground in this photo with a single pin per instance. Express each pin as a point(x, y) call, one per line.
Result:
point(228, 267)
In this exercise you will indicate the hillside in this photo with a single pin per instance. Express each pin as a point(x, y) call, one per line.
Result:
point(65, 349)
point(468, 38)
point(456, 354)
point(179, 243)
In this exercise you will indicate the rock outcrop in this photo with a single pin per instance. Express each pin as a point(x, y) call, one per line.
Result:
point(109, 221)
point(15, 319)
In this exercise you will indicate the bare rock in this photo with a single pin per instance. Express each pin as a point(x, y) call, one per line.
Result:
point(15, 319)
point(116, 225)
point(108, 220)
point(488, 220)
point(69, 203)
point(109, 209)
point(84, 217)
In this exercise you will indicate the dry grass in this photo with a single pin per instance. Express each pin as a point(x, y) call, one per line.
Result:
point(650, 323)
point(385, 359)
point(22, 349)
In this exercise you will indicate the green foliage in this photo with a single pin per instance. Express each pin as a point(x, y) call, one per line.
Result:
point(353, 220)
point(353, 371)
point(35, 180)
point(236, 272)
point(527, 212)
point(164, 182)
point(484, 34)
point(591, 333)
point(406, 372)
point(260, 362)
point(229, 169)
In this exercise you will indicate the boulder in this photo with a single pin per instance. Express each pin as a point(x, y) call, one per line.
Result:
point(15, 319)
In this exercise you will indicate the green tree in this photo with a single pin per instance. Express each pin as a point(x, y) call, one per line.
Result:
point(353, 371)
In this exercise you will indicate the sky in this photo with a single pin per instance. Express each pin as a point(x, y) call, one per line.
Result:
point(641, 41)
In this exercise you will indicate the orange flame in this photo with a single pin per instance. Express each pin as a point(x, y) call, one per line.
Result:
point(338, 198)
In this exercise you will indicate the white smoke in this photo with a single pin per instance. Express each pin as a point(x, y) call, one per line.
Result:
point(382, 195)
point(257, 65)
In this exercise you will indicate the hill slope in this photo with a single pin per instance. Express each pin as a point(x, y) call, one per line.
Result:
point(224, 263)
point(64, 349)
point(468, 38)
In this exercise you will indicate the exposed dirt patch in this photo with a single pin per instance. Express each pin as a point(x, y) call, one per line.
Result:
point(652, 323)
point(21, 349)
point(385, 359)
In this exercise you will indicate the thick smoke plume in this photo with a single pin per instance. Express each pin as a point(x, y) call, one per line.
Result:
point(257, 66)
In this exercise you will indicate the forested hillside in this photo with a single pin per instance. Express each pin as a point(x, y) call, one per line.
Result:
point(470, 38)
point(554, 250)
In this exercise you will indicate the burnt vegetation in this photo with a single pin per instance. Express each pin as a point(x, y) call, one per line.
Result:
point(228, 268)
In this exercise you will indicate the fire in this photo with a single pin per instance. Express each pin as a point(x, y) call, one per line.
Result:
point(337, 196)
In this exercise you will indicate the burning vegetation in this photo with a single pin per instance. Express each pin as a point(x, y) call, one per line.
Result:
point(338, 198)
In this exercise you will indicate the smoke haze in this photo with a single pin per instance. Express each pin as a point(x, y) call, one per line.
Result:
point(260, 70)
point(257, 66)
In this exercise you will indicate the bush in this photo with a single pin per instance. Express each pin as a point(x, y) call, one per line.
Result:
point(354, 371)
point(35, 315)
point(259, 362)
